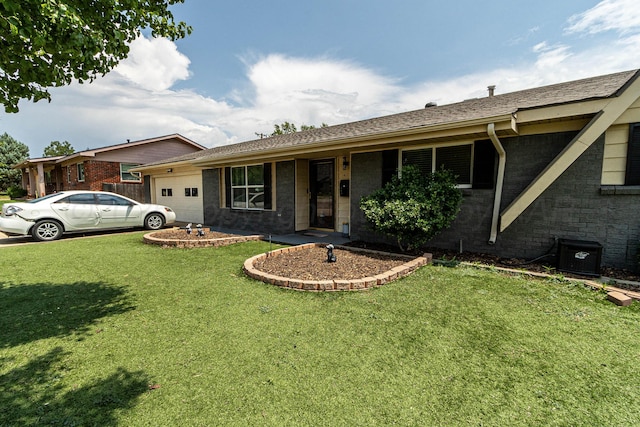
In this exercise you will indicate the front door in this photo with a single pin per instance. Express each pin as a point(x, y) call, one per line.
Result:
point(321, 189)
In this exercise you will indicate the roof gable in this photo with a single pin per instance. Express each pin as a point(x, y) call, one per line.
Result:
point(142, 151)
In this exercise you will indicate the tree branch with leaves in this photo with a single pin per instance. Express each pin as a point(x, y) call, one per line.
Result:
point(49, 43)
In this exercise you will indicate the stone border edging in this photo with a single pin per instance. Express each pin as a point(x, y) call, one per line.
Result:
point(411, 265)
point(199, 243)
point(587, 282)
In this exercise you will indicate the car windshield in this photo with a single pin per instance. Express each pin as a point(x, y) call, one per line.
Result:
point(38, 200)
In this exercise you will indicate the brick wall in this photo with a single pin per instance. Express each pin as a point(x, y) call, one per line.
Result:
point(96, 173)
point(574, 207)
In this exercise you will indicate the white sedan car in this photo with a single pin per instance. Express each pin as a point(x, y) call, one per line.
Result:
point(48, 217)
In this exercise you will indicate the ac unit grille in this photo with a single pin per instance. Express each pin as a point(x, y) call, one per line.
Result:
point(579, 257)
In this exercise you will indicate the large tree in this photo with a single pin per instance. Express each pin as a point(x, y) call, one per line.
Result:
point(57, 148)
point(48, 43)
point(11, 152)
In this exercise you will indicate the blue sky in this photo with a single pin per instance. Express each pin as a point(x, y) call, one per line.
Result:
point(249, 65)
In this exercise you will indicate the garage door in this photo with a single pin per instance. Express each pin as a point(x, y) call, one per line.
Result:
point(183, 194)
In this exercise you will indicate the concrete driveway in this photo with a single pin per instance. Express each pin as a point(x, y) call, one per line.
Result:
point(21, 240)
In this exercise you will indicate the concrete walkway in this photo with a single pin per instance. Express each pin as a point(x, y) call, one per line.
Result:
point(299, 238)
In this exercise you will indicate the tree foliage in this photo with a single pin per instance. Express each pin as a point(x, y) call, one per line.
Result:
point(50, 43)
point(12, 152)
point(57, 148)
point(287, 128)
point(284, 128)
point(413, 208)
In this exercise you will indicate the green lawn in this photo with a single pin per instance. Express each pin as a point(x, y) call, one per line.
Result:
point(108, 331)
point(4, 199)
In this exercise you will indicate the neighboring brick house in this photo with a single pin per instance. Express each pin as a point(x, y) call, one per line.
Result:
point(535, 166)
point(106, 168)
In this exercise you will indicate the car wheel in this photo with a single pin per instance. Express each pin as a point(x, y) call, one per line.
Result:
point(46, 230)
point(154, 221)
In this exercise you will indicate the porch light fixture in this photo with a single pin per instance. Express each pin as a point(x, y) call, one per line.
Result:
point(345, 163)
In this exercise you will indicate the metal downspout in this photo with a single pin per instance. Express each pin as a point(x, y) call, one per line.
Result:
point(502, 160)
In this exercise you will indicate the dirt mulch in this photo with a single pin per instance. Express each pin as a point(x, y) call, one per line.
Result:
point(181, 234)
point(312, 264)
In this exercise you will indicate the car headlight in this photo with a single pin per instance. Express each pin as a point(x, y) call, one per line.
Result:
point(11, 210)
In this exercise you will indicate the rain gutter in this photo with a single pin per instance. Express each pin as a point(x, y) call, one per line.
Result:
point(502, 160)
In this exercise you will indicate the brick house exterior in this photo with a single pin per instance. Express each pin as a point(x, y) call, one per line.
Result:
point(104, 168)
point(538, 166)
point(96, 174)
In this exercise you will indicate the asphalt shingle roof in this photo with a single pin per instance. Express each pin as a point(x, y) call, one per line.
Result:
point(562, 93)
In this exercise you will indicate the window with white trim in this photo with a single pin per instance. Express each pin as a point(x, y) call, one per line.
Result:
point(80, 168)
point(127, 176)
point(248, 187)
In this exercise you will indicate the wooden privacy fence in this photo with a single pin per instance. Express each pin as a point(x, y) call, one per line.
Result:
point(132, 191)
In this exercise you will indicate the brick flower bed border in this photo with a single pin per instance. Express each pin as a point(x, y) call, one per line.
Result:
point(334, 285)
point(203, 242)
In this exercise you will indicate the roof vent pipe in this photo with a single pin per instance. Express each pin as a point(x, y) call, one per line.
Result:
point(502, 160)
point(492, 89)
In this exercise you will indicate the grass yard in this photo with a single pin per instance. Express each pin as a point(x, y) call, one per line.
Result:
point(4, 199)
point(109, 331)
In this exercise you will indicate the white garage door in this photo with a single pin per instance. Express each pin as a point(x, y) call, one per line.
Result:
point(183, 194)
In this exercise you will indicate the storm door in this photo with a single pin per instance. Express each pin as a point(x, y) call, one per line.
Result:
point(321, 192)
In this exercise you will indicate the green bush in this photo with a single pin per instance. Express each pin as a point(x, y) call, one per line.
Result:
point(15, 192)
point(414, 208)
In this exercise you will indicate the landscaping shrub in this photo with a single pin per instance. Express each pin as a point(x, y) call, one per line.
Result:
point(15, 192)
point(415, 207)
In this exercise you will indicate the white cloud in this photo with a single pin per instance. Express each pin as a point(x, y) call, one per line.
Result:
point(315, 90)
point(138, 99)
point(618, 15)
point(154, 64)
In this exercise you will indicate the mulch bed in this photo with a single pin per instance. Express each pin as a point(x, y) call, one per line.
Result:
point(181, 234)
point(311, 264)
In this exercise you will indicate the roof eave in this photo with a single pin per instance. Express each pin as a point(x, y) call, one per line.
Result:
point(142, 168)
point(372, 139)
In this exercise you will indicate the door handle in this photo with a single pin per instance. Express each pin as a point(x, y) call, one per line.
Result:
point(106, 209)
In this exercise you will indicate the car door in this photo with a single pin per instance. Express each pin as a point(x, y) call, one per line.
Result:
point(117, 211)
point(78, 211)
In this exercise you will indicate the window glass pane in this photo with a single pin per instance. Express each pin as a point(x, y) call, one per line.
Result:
point(420, 158)
point(256, 198)
point(79, 199)
point(80, 171)
point(125, 175)
point(457, 159)
point(256, 175)
point(632, 174)
point(239, 197)
point(108, 199)
point(237, 176)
